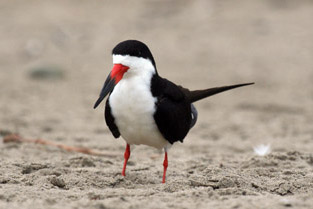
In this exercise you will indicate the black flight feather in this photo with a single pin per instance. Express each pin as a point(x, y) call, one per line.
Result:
point(175, 115)
point(109, 119)
point(197, 95)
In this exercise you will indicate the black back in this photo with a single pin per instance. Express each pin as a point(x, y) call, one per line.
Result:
point(173, 110)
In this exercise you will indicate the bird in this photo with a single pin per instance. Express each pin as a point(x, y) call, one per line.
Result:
point(144, 108)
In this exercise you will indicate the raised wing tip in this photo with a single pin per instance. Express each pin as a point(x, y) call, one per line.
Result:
point(201, 94)
point(245, 84)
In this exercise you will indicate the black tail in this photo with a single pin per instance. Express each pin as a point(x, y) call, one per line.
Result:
point(194, 96)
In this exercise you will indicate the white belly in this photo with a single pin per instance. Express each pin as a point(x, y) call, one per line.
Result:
point(133, 107)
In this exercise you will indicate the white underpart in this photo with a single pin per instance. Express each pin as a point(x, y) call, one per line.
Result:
point(133, 105)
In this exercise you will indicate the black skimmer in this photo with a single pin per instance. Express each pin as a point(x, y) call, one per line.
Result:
point(145, 108)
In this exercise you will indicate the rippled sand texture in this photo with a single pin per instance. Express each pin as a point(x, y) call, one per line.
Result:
point(54, 58)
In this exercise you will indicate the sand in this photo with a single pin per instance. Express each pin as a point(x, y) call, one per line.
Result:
point(55, 56)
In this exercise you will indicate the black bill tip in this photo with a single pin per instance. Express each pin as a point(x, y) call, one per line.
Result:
point(98, 102)
point(106, 89)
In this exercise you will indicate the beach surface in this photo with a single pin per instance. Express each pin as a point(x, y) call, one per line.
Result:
point(55, 56)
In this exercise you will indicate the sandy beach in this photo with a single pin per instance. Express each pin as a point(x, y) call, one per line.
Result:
point(55, 56)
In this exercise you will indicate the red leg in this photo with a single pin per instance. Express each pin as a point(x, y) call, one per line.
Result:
point(126, 156)
point(165, 164)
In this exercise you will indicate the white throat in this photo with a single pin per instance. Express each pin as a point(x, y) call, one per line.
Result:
point(133, 105)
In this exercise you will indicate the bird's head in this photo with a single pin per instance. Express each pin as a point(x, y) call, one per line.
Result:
point(130, 58)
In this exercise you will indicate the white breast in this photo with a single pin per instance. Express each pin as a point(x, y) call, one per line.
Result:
point(133, 107)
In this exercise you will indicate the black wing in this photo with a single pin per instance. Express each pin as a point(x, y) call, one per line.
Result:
point(173, 110)
point(109, 119)
point(194, 96)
